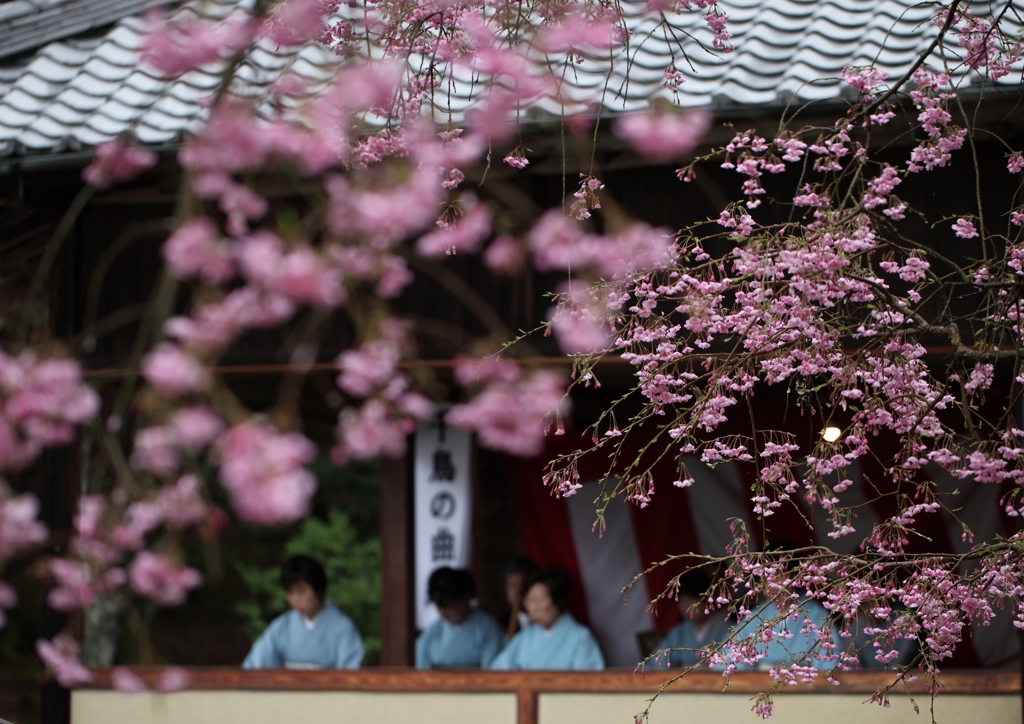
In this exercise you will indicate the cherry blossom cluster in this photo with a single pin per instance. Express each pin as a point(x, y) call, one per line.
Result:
point(986, 46)
point(42, 401)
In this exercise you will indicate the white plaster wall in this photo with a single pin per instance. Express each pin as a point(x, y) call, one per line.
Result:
point(719, 708)
point(291, 707)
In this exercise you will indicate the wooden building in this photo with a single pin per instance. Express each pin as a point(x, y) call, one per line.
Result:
point(68, 80)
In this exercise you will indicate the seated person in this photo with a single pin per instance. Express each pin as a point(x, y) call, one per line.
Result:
point(877, 651)
point(553, 640)
point(696, 628)
point(464, 635)
point(314, 634)
point(790, 644)
point(514, 618)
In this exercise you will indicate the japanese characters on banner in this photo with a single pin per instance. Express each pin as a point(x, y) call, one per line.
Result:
point(443, 506)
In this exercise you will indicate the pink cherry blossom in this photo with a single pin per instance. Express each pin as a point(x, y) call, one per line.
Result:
point(579, 322)
point(177, 505)
point(124, 680)
point(217, 324)
point(516, 161)
point(664, 136)
point(511, 416)
point(293, 22)
point(866, 80)
point(195, 250)
point(19, 527)
point(374, 429)
point(61, 655)
point(173, 371)
point(577, 31)
point(155, 451)
point(505, 256)
point(173, 678)
point(186, 43)
point(41, 401)
point(75, 585)
point(461, 235)
point(469, 370)
point(964, 228)
point(154, 576)
point(194, 428)
point(116, 161)
point(303, 278)
point(367, 367)
point(262, 472)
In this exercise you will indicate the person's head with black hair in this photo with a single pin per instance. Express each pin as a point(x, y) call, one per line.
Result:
point(547, 595)
point(452, 591)
point(305, 585)
point(516, 571)
point(692, 587)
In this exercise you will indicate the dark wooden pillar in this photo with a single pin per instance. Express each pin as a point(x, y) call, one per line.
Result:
point(397, 562)
point(526, 706)
point(56, 504)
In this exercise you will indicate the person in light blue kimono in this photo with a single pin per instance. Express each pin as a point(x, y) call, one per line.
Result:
point(465, 635)
point(314, 634)
point(876, 651)
point(553, 640)
point(697, 628)
point(793, 645)
point(790, 644)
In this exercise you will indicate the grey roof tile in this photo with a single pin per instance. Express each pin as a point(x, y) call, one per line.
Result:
point(82, 102)
point(105, 125)
point(101, 69)
point(119, 112)
point(86, 136)
point(65, 115)
point(48, 127)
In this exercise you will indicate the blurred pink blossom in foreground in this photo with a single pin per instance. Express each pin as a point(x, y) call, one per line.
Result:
point(117, 161)
point(664, 136)
point(510, 415)
point(41, 402)
point(61, 656)
point(263, 472)
point(154, 575)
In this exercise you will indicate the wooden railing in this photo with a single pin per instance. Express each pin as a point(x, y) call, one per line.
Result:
point(527, 685)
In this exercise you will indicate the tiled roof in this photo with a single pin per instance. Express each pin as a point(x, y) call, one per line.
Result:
point(77, 92)
point(28, 24)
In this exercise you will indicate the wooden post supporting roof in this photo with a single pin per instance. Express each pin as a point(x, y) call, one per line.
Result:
point(397, 628)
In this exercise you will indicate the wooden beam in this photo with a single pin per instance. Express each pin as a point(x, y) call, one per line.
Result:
point(396, 609)
point(533, 682)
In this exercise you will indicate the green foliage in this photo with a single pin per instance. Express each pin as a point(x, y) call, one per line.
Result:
point(353, 578)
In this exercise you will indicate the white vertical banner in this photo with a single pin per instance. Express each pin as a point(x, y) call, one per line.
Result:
point(443, 506)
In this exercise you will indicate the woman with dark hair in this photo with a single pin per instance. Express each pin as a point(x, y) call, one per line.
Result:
point(314, 634)
point(553, 640)
point(464, 635)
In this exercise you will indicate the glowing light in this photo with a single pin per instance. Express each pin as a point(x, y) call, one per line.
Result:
point(831, 434)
